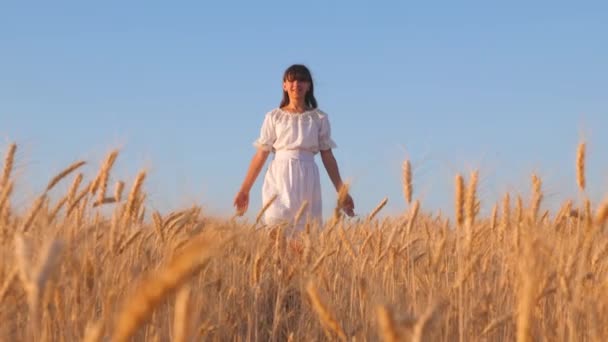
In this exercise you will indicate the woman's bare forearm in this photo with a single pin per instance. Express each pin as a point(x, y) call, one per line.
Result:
point(331, 165)
point(257, 162)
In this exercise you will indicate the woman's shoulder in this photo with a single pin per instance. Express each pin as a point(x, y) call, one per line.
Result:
point(279, 113)
point(320, 113)
point(272, 114)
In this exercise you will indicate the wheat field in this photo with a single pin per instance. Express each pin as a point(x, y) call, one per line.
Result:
point(93, 265)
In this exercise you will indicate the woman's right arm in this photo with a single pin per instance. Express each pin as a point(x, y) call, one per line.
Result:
point(241, 201)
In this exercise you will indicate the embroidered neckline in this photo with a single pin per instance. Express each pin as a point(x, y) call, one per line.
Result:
point(297, 114)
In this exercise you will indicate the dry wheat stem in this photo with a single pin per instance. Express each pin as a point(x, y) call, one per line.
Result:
point(506, 211)
point(77, 200)
point(33, 212)
point(104, 175)
point(422, 324)
point(602, 213)
point(537, 196)
point(265, 207)
point(387, 327)
point(53, 213)
point(74, 187)
point(328, 320)
point(118, 188)
point(525, 304)
point(407, 181)
point(459, 200)
point(8, 282)
point(377, 209)
point(493, 217)
point(580, 166)
point(181, 321)
point(346, 242)
point(9, 160)
point(93, 332)
point(300, 212)
point(154, 288)
point(132, 200)
point(412, 216)
point(64, 174)
point(5, 195)
point(471, 200)
point(106, 200)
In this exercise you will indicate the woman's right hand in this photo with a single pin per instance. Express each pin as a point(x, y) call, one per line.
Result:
point(241, 202)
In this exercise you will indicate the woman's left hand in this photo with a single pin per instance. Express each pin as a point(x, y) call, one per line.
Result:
point(348, 206)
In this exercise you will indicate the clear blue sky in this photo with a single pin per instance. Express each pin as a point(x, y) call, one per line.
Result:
point(508, 88)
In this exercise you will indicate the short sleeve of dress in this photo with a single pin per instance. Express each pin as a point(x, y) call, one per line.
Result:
point(267, 134)
point(325, 140)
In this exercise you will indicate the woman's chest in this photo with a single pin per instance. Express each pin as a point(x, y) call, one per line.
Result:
point(297, 128)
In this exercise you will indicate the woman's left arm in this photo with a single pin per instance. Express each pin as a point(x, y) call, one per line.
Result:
point(331, 165)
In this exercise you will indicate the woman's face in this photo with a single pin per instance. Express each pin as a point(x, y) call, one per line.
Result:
point(296, 89)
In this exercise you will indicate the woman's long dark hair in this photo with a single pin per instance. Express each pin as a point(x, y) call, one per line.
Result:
point(301, 73)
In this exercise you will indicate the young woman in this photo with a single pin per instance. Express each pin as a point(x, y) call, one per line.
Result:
point(295, 132)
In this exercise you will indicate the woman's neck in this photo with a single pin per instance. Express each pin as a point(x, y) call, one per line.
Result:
point(296, 106)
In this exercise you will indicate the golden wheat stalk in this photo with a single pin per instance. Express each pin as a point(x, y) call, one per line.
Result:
point(256, 269)
point(6, 194)
point(9, 160)
point(149, 293)
point(181, 318)
point(265, 207)
point(74, 187)
point(12, 275)
point(377, 209)
point(300, 212)
point(320, 260)
point(53, 213)
point(33, 213)
point(347, 244)
point(459, 199)
point(563, 213)
point(133, 198)
point(525, 298)
point(106, 200)
point(48, 262)
point(588, 218)
point(518, 209)
point(602, 213)
point(537, 196)
point(23, 256)
point(64, 174)
point(129, 240)
point(104, 175)
point(407, 181)
point(412, 217)
point(77, 200)
point(93, 332)
point(118, 188)
point(580, 166)
point(35, 278)
point(471, 200)
point(387, 328)
point(422, 323)
point(329, 322)
point(505, 218)
point(494, 217)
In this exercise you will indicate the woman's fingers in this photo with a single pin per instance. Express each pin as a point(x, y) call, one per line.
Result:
point(349, 206)
point(241, 202)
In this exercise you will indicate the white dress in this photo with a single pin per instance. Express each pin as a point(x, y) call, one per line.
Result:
point(293, 174)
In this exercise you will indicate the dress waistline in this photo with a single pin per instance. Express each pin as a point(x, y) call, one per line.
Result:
point(294, 154)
